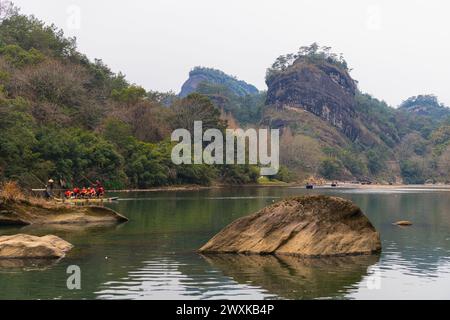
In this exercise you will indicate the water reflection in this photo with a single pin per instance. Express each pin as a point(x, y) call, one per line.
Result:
point(178, 277)
point(18, 265)
point(293, 277)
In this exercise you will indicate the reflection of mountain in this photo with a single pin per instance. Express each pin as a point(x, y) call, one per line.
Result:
point(293, 277)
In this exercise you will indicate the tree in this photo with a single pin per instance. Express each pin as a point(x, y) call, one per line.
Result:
point(19, 57)
point(443, 165)
point(375, 162)
point(130, 95)
point(30, 32)
point(7, 10)
point(300, 153)
point(16, 139)
point(312, 53)
point(331, 169)
point(413, 171)
point(196, 107)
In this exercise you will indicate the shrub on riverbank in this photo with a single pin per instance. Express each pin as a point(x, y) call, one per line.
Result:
point(10, 191)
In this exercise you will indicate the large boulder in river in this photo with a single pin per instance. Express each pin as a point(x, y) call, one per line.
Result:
point(304, 226)
point(23, 246)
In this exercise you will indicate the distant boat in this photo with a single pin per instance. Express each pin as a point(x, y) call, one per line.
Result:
point(309, 186)
point(334, 184)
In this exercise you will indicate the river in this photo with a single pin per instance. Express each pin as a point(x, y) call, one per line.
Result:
point(153, 255)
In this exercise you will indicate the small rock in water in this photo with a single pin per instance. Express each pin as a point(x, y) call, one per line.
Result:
point(403, 223)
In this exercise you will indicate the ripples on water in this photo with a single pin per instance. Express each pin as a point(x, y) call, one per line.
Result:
point(153, 256)
point(162, 279)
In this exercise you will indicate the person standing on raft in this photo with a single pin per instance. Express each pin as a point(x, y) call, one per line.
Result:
point(49, 189)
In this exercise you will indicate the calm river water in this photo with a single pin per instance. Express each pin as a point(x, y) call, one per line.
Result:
point(153, 255)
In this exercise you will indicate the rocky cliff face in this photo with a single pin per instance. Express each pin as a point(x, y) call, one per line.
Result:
point(320, 88)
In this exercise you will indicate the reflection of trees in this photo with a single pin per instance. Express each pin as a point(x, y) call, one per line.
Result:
point(294, 277)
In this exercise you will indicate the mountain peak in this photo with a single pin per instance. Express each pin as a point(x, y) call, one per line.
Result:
point(317, 82)
point(425, 105)
point(200, 75)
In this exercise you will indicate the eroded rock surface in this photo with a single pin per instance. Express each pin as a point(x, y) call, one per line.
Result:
point(305, 226)
point(321, 88)
point(26, 213)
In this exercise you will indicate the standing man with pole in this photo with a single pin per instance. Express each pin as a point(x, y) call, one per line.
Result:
point(49, 189)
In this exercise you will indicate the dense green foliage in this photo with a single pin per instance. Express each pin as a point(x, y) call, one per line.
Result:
point(245, 109)
point(424, 113)
point(311, 54)
point(65, 117)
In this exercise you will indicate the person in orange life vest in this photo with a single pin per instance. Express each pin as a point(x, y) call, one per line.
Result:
point(97, 184)
point(100, 192)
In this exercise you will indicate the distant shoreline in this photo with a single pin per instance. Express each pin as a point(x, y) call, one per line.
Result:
point(341, 185)
point(288, 185)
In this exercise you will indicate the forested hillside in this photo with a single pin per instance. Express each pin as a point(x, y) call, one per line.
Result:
point(334, 130)
point(331, 129)
point(69, 118)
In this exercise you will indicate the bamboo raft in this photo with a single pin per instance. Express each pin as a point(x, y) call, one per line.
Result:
point(86, 200)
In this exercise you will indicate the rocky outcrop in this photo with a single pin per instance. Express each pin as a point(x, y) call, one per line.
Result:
point(26, 213)
point(321, 88)
point(23, 246)
point(309, 226)
point(426, 106)
point(217, 77)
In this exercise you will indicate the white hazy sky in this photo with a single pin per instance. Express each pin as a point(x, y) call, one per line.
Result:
point(396, 48)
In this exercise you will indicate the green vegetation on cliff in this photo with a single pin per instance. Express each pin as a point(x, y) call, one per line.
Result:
point(213, 76)
point(331, 129)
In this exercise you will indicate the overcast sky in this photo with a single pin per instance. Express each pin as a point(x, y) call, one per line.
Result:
point(396, 48)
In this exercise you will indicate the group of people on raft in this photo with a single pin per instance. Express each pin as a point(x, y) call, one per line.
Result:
point(96, 191)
